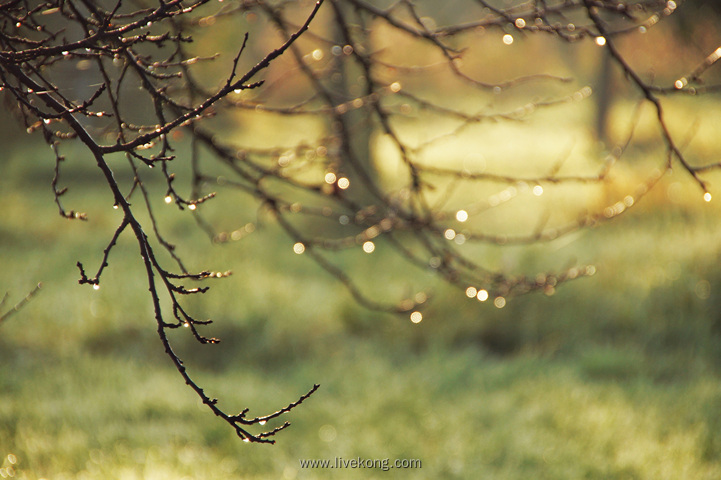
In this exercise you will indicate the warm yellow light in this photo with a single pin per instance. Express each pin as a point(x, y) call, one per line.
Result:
point(416, 317)
point(499, 302)
point(482, 295)
point(707, 197)
point(369, 247)
point(395, 87)
point(471, 292)
point(192, 206)
point(538, 190)
point(343, 183)
point(450, 234)
point(330, 178)
point(461, 215)
point(600, 41)
point(298, 248)
point(168, 199)
point(508, 39)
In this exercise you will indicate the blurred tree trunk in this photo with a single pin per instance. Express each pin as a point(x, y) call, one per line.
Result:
point(604, 80)
point(347, 86)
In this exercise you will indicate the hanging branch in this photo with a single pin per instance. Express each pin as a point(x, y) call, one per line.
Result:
point(20, 74)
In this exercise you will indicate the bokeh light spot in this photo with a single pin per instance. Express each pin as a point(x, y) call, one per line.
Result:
point(369, 247)
point(343, 183)
point(327, 433)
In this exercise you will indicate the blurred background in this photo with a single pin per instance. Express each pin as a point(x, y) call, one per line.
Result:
point(616, 375)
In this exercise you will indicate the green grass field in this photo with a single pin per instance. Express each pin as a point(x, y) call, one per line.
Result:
point(616, 376)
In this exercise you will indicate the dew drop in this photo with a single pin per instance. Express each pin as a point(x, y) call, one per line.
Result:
point(298, 248)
